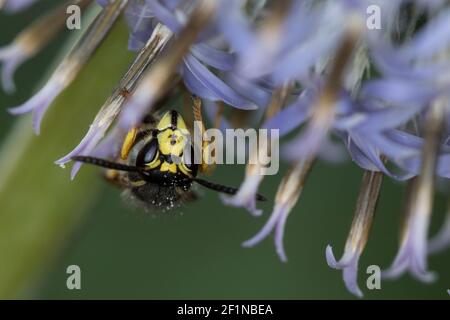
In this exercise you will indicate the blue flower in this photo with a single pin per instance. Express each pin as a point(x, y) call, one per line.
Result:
point(311, 69)
point(30, 41)
point(12, 6)
point(361, 225)
point(71, 64)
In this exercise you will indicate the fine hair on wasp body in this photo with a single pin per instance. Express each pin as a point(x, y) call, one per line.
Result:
point(154, 168)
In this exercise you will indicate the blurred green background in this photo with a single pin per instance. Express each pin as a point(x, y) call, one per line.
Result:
point(191, 254)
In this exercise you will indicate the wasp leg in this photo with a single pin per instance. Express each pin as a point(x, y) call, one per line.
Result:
point(128, 143)
point(133, 136)
point(121, 179)
point(187, 108)
point(116, 178)
point(205, 166)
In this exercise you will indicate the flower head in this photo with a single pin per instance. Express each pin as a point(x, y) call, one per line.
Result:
point(312, 70)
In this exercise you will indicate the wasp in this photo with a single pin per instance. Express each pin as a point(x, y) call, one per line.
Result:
point(155, 169)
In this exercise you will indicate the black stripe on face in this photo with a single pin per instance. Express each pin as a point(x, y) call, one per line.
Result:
point(174, 118)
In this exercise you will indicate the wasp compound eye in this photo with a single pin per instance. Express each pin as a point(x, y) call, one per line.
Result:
point(147, 154)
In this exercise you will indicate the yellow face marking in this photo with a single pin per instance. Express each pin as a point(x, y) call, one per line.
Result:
point(173, 134)
point(181, 125)
point(128, 143)
point(167, 121)
point(172, 139)
point(171, 167)
point(153, 164)
point(171, 142)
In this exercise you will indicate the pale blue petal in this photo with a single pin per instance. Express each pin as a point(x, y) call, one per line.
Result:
point(218, 89)
point(213, 57)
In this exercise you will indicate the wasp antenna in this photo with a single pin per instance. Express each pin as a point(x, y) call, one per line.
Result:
point(106, 164)
point(224, 189)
